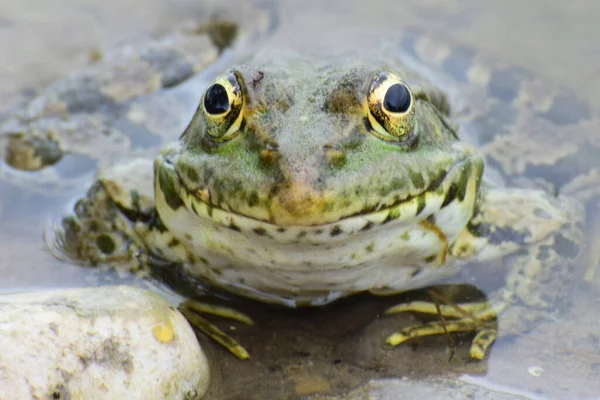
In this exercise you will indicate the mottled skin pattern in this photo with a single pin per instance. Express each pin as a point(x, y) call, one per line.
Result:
point(311, 139)
point(304, 170)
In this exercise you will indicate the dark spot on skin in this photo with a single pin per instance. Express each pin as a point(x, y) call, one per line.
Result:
point(234, 227)
point(269, 157)
point(367, 226)
point(566, 247)
point(259, 231)
point(156, 223)
point(418, 270)
point(188, 236)
point(253, 199)
point(242, 125)
point(437, 181)
point(318, 231)
point(459, 63)
point(397, 183)
point(343, 97)
point(336, 158)
point(370, 247)
point(105, 244)
point(336, 230)
point(281, 230)
point(301, 234)
point(450, 196)
point(417, 179)
point(135, 200)
point(173, 243)
point(167, 187)
point(461, 189)
point(430, 258)
point(567, 109)
point(420, 204)
point(505, 84)
point(191, 173)
point(135, 215)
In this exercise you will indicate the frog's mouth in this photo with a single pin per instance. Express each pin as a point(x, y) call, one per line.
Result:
point(459, 187)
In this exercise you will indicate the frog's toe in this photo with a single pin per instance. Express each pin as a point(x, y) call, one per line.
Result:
point(472, 317)
point(191, 309)
point(482, 342)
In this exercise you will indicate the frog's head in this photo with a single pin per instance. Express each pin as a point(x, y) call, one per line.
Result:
point(292, 148)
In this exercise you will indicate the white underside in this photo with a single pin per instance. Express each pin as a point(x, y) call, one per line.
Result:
point(316, 267)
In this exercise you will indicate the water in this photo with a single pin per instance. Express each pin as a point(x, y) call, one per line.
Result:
point(335, 348)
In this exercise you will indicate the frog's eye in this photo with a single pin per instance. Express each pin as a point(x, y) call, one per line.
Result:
point(223, 106)
point(391, 109)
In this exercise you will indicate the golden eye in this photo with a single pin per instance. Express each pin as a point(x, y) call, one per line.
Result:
point(223, 106)
point(391, 109)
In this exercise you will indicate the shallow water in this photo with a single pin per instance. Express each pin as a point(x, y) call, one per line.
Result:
point(336, 348)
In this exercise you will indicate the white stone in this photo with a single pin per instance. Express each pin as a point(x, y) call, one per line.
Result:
point(114, 342)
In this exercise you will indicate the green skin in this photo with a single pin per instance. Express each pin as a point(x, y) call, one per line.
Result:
point(301, 158)
point(303, 202)
point(297, 164)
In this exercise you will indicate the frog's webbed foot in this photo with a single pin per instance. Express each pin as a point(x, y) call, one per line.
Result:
point(479, 317)
point(191, 310)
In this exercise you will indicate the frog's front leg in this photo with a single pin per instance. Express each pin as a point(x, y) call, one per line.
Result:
point(115, 224)
point(538, 238)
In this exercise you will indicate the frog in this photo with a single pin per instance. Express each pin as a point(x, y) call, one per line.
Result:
point(302, 179)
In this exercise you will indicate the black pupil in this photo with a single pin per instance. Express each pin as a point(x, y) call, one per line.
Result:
point(397, 98)
point(216, 100)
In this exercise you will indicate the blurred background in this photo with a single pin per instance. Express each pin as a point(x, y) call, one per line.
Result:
point(41, 40)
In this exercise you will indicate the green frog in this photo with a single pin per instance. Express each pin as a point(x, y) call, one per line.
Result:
point(302, 179)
